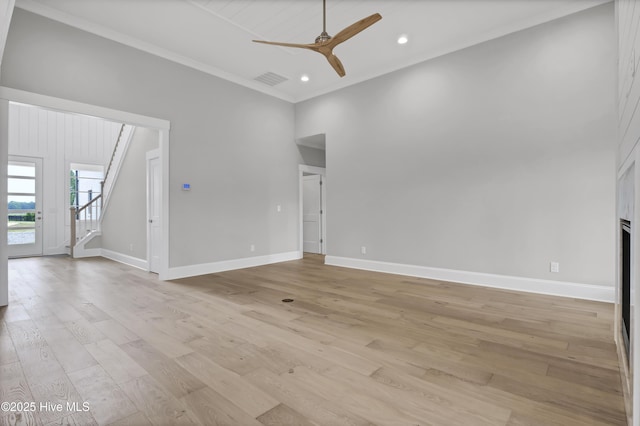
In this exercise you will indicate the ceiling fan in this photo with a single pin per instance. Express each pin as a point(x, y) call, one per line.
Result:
point(325, 43)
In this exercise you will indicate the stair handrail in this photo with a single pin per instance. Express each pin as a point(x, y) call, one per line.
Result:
point(80, 209)
point(113, 154)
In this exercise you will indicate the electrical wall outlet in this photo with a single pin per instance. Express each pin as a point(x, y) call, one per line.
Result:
point(363, 250)
point(252, 247)
point(554, 267)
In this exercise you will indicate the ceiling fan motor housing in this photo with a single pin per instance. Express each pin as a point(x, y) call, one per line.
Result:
point(323, 37)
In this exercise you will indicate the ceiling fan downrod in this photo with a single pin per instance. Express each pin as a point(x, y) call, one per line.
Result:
point(324, 36)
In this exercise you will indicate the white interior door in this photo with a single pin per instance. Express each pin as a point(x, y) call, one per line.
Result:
point(154, 208)
point(312, 214)
point(24, 206)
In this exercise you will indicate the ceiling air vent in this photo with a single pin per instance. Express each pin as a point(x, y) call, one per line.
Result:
point(271, 79)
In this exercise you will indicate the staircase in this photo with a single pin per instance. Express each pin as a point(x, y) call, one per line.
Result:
point(86, 220)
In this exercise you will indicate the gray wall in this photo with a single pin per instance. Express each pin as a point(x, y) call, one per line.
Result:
point(124, 224)
point(233, 145)
point(312, 156)
point(498, 158)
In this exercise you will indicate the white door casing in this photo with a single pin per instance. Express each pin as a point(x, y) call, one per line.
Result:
point(154, 209)
point(312, 214)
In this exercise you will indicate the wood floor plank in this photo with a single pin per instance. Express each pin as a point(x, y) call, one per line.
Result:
point(120, 366)
point(166, 371)
point(34, 353)
point(84, 331)
point(355, 348)
point(163, 342)
point(94, 384)
point(283, 415)
point(365, 402)
point(605, 411)
point(157, 404)
point(14, 312)
point(8, 353)
point(67, 349)
point(315, 408)
point(211, 409)
point(115, 331)
point(248, 397)
point(137, 419)
point(444, 403)
point(14, 389)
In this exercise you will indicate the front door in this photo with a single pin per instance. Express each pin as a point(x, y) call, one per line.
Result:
point(24, 206)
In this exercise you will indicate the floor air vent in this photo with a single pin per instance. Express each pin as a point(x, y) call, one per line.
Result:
point(271, 79)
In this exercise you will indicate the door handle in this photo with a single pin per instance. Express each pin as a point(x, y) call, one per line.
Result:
point(150, 220)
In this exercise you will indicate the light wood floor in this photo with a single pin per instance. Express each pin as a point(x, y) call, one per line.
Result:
point(354, 348)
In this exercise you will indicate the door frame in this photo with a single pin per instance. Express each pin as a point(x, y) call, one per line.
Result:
point(152, 155)
point(8, 94)
point(38, 161)
point(302, 169)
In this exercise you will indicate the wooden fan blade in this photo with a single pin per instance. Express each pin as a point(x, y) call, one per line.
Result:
point(276, 43)
point(354, 29)
point(336, 64)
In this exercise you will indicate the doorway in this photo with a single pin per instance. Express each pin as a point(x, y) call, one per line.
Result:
point(24, 206)
point(9, 96)
point(313, 210)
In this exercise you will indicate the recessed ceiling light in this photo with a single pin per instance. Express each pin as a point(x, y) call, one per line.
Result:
point(304, 78)
point(403, 39)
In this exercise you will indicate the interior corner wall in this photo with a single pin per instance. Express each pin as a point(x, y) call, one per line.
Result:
point(6, 10)
point(498, 159)
point(124, 224)
point(233, 145)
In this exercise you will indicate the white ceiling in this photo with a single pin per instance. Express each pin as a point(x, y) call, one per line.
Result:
point(215, 36)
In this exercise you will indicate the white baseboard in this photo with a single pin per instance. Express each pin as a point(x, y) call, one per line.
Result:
point(229, 265)
point(123, 258)
point(54, 251)
point(79, 252)
point(530, 285)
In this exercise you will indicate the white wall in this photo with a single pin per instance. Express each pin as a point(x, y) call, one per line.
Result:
point(628, 24)
point(6, 11)
point(496, 159)
point(59, 139)
point(4, 142)
point(233, 145)
point(124, 224)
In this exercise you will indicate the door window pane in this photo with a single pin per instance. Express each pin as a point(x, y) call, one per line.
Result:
point(21, 169)
point(24, 186)
point(21, 202)
point(21, 228)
